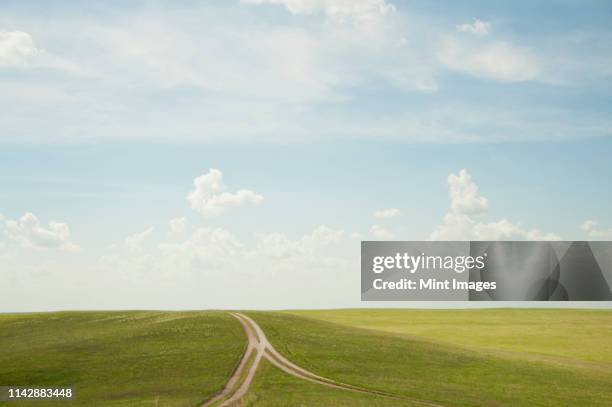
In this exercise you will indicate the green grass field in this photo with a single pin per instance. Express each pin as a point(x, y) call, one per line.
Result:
point(121, 358)
point(274, 388)
point(434, 368)
point(582, 335)
point(507, 357)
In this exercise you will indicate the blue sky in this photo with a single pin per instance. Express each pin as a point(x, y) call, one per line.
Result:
point(316, 113)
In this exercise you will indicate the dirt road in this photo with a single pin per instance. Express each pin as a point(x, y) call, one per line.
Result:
point(258, 343)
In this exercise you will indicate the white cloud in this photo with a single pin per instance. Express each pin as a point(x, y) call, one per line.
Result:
point(338, 10)
point(499, 60)
point(278, 245)
point(381, 233)
point(209, 196)
point(464, 194)
point(387, 213)
point(466, 201)
point(589, 225)
point(595, 232)
point(29, 233)
point(457, 226)
point(356, 236)
point(16, 48)
point(219, 270)
point(178, 227)
point(478, 27)
point(323, 236)
point(211, 250)
point(136, 241)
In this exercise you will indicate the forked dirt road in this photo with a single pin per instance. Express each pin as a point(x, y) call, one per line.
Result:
point(258, 343)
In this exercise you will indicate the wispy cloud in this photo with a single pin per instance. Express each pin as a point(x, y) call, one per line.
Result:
point(315, 70)
point(478, 27)
point(381, 233)
point(595, 231)
point(338, 10)
point(497, 60)
point(387, 213)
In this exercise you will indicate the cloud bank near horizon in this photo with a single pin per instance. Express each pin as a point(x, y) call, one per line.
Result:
point(261, 270)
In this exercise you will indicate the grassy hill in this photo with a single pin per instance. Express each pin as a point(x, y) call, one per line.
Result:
point(273, 388)
point(581, 335)
point(450, 358)
point(438, 368)
point(121, 358)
